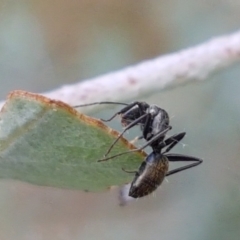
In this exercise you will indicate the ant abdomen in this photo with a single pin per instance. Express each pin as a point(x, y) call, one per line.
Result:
point(149, 176)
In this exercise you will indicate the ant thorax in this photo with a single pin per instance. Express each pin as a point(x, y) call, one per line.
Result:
point(160, 119)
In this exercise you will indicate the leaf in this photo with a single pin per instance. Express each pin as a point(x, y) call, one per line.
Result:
point(47, 142)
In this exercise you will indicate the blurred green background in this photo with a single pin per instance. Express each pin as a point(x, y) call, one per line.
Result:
point(45, 44)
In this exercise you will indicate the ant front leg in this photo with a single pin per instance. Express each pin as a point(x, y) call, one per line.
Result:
point(182, 158)
point(147, 127)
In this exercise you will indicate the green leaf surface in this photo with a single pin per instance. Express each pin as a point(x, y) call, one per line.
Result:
point(46, 142)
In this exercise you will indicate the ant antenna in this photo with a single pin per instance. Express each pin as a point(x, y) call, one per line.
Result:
point(96, 103)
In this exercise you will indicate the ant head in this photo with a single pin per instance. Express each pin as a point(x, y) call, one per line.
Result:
point(130, 116)
point(134, 113)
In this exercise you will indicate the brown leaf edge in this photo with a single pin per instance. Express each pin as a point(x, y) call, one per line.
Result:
point(80, 116)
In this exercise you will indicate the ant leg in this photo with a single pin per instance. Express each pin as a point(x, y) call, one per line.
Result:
point(146, 127)
point(129, 171)
point(172, 141)
point(132, 124)
point(157, 136)
point(182, 158)
point(125, 109)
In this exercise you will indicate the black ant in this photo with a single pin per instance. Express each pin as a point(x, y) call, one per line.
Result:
point(154, 123)
point(152, 119)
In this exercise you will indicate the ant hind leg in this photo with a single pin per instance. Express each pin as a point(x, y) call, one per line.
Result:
point(182, 158)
